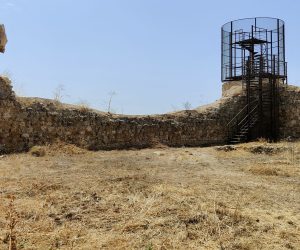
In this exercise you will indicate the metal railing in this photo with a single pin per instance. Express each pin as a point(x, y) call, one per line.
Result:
point(269, 67)
point(241, 118)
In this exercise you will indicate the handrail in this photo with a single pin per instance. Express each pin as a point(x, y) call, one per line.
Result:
point(234, 118)
point(248, 115)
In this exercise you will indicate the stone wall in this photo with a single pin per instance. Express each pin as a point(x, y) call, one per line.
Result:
point(25, 122)
point(289, 112)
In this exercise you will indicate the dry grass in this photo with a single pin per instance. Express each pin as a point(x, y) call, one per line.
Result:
point(38, 151)
point(12, 220)
point(163, 198)
point(264, 170)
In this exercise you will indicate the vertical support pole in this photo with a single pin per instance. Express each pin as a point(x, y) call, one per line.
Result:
point(248, 81)
point(234, 54)
point(273, 102)
point(230, 50)
point(242, 62)
point(283, 44)
point(261, 56)
point(260, 98)
point(267, 51)
point(271, 56)
point(277, 102)
point(252, 37)
point(278, 48)
point(222, 55)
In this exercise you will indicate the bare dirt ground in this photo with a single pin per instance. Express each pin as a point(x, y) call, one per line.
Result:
point(163, 198)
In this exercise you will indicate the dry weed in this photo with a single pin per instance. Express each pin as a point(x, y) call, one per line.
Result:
point(195, 198)
point(261, 169)
point(12, 218)
point(84, 106)
point(38, 151)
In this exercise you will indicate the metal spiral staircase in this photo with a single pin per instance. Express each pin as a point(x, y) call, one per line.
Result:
point(262, 101)
point(253, 53)
point(242, 123)
point(259, 116)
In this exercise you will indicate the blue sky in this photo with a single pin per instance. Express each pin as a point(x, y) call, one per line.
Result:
point(155, 54)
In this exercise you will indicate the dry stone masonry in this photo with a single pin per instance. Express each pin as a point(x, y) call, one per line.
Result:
point(26, 122)
point(289, 112)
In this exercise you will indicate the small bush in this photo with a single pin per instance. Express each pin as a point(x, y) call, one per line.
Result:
point(264, 170)
point(38, 151)
point(84, 106)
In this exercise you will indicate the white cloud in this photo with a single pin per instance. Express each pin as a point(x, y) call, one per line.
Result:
point(7, 3)
point(10, 4)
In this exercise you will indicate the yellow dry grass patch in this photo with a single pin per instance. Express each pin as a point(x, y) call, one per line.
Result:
point(263, 169)
point(191, 198)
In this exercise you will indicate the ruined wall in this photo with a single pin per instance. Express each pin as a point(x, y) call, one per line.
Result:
point(25, 122)
point(289, 112)
point(289, 107)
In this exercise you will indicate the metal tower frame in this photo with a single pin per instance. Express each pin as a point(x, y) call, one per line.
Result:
point(253, 52)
